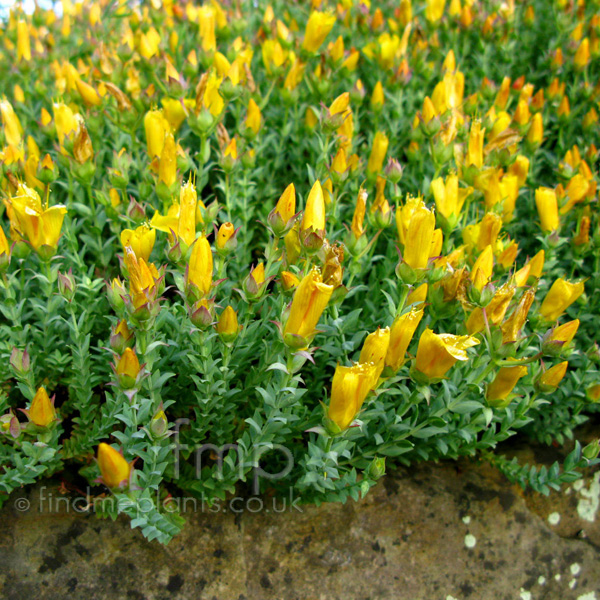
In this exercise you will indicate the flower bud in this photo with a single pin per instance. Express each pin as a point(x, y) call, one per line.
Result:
point(42, 411)
point(498, 393)
point(121, 337)
point(159, 425)
point(135, 211)
point(66, 285)
point(20, 361)
point(378, 152)
point(255, 284)
point(116, 293)
point(227, 326)
point(558, 339)
point(201, 314)
point(128, 368)
point(548, 381)
point(289, 281)
point(376, 469)
point(312, 227)
point(115, 470)
point(592, 450)
point(281, 218)
point(393, 171)
point(226, 239)
point(9, 424)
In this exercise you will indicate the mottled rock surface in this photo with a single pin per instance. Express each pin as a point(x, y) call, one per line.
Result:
point(432, 532)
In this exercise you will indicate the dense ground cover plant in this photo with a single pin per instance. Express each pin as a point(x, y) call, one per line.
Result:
point(329, 235)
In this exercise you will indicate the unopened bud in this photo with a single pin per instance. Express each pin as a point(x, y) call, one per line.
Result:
point(159, 425)
point(66, 285)
point(376, 469)
point(592, 450)
point(393, 171)
point(20, 361)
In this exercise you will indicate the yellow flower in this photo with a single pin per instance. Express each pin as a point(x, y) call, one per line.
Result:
point(449, 198)
point(475, 146)
point(419, 237)
point(375, 349)
point(128, 369)
point(199, 273)
point(483, 268)
point(312, 227)
point(41, 225)
point(436, 353)
point(140, 240)
point(23, 42)
point(309, 302)
point(174, 111)
point(293, 248)
point(167, 166)
point(513, 325)
point(155, 126)
point(13, 132)
point(225, 233)
point(65, 121)
point(593, 393)
point(273, 55)
point(311, 118)
point(498, 392)
point(535, 135)
point(578, 188)
point(520, 168)
point(207, 22)
point(536, 264)
point(509, 255)
point(143, 278)
point(560, 296)
point(522, 114)
point(377, 98)
point(4, 248)
point(357, 226)
point(349, 389)
point(114, 468)
point(509, 188)
point(294, 76)
point(494, 311)
point(582, 56)
point(42, 411)
point(550, 379)
point(401, 334)
point(418, 295)
point(253, 120)
point(87, 92)
point(317, 28)
point(434, 10)
point(227, 326)
point(380, 208)
point(428, 113)
point(281, 216)
point(378, 152)
point(560, 337)
point(180, 219)
point(83, 150)
point(207, 94)
point(289, 281)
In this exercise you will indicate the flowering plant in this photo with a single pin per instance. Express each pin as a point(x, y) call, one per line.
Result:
point(308, 238)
